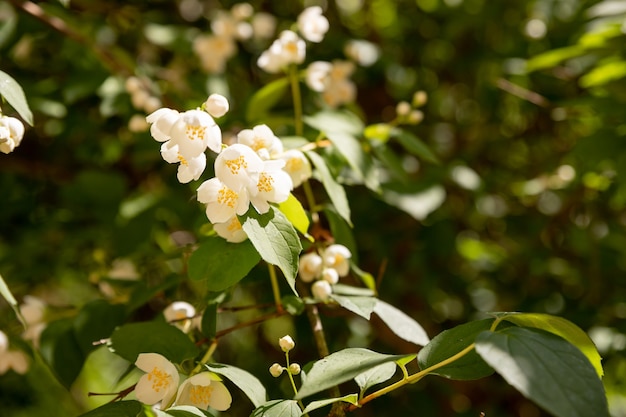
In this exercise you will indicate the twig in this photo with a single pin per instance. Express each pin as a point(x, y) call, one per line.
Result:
point(522, 93)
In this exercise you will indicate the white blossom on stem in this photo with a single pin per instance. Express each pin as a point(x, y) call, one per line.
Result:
point(189, 169)
point(286, 343)
point(231, 230)
point(297, 166)
point(276, 370)
point(204, 390)
point(337, 257)
point(11, 133)
point(238, 167)
point(11, 359)
point(180, 314)
point(312, 24)
point(160, 382)
point(310, 266)
point(216, 105)
point(222, 202)
point(321, 290)
point(262, 140)
point(273, 186)
point(289, 48)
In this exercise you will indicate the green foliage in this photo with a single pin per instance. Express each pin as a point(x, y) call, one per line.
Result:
point(246, 382)
point(14, 95)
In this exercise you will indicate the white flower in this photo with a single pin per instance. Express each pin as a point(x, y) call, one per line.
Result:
point(11, 133)
point(310, 266)
point(362, 52)
point(317, 74)
point(161, 122)
point(231, 230)
point(338, 257)
point(297, 166)
point(33, 311)
point(262, 140)
point(330, 275)
point(180, 314)
point(214, 51)
point(216, 105)
point(11, 359)
point(286, 343)
point(276, 370)
point(189, 169)
point(160, 383)
point(238, 166)
point(312, 24)
point(263, 25)
point(289, 48)
point(204, 390)
point(321, 290)
point(339, 92)
point(194, 131)
point(222, 202)
point(242, 11)
point(273, 186)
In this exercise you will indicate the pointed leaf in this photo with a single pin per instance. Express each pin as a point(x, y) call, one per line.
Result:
point(130, 340)
point(335, 191)
point(183, 411)
point(276, 240)
point(335, 121)
point(61, 350)
point(401, 324)
point(547, 369)
point(244, 380)
point(553, 57)
point(221, 263)
point(95, 321)
point(294, 212)
point(362, 306)
point(414, 145)
point(375, 375)
point(130, 408)
point(14, 95)
point(8, 295)
point(278, 408)
point(450, 342)
point(340, 367)
point(350, 148)
point(266, 98)
point(560, 327)
point(350, 398)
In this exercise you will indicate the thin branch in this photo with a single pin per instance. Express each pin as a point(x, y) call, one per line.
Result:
point(523, 93)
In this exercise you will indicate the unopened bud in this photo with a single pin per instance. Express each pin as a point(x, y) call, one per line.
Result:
point(403, 108)
point(415, 117)
point(286, 343)
point(294, 369)
point(321, 290)
point(276, 370)
point(330, 275)
point(420, 98)
point(216, 105)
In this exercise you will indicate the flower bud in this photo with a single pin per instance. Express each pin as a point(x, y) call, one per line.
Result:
point(294, 369)
point(216, 105)
point(321, 290)
point(420, 98)
point(276, 370)
point(310, 266)
point(330, 275)
point(286, 343)
point(415, 117)
point(403, 108)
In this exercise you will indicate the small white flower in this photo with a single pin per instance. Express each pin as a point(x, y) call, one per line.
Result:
point(204, 390)
point(263, 25)
point(160, 383)
point(294, 369)
point(189, 169)
point(231, 230)
point(180, 314)
point(273, 186)
point(317, 74)
point(339, 92)
point(286, 343)
point(338, 257)
point(161, 122)
point(11, 133)
point(362, 52)
point(330, 275)
point(262, 140)
point(242, 11)
point(310, 266)
point(214, 51)
point(321, 290)
point(289, 48)
point(222, 202)
point(15, 360)
point(297, 166)
point(238, 166)
point(33, 311)
point(415, 117)
point(312, 24)
point(276, 370)
point(403, 108)
point(216, 105)
point(194, 131)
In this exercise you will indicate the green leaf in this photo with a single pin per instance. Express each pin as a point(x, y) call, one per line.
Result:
point(8, 295)
point(278, 408)
point(366, 278)
point(380, 132)
point(275, 239)
point(95, 321)
point(335, 191)
point(552, 58)
point(350, 398)
point(294, 212)
point(414, 145)
point(362, 306)
point(209, 320)
point(118, 409)
point(335, 121)
point(343, 289)
point(221, 263)
point(361, 163)
point(294, 305)
point(341, 231)
point(560, 327)
point(130, 340)
point(547, 369)
point(401, 324)
point(183, 411)
point(245, 381)
point(60, 349)
point(450, 342)
point(340, 367)
point(14, 95)
point(266, 98)
point(375, 375)
point(603, 74)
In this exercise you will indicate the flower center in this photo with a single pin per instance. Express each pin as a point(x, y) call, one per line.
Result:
point(227, 196)
point(195, 132)
point(236, 164)
point(200, 394)
point(160, 379)
point(265, 183)
point(182, 160)
point(293, 165)
point(234, 225)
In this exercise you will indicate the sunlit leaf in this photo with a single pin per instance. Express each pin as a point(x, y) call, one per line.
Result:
point(183, 411)
point(278, 408)
point(603, 74)
point(553, 57)
point(414, 145)
point(14, 95)
point(222, 264)
point(266, 98)
point(362, 306)
point(335, 191)
point(335, 121)
point(401, 324)
point(294, 212)
point(350, 398)
point(547, 369)
point(376, 375)
point(245, 381)
point(276, 240)
point(130, 408)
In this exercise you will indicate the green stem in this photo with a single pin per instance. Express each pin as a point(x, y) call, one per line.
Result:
point(205, 358)
point(293, 383)
point(297, 99)
point(413, 378)
point(275, 288)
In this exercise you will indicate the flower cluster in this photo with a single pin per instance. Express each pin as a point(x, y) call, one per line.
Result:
point(332, 80)
point(11, 359)
point(240, 23)
point(286, 344)
point(11, 133)
point(324, 269)
point(290, 48)
point(160, 383)
point(408, 113)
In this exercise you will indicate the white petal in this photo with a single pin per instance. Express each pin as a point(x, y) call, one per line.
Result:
point(238, 166)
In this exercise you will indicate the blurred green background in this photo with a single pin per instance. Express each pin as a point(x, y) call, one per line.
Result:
point(526, 111)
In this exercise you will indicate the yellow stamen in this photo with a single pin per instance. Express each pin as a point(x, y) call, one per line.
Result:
point(266, 183)
point(160, 379)
point(227, 196)
point(200, 394)
point(236, 164)
point(195, 132)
